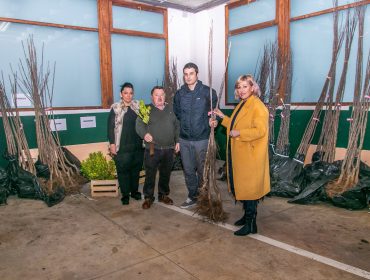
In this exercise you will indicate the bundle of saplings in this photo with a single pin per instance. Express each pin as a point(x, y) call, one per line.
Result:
point(53, 173)
point(351, 189)
point(344, 183)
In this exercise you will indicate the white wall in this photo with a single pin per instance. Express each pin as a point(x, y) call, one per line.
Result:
point(179, 37)
point(188, 37)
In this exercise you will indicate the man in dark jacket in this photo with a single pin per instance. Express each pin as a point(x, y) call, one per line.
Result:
point(192, 103)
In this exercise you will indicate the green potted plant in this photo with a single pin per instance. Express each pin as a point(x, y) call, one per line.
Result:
point(144, 115)
point(102, 173)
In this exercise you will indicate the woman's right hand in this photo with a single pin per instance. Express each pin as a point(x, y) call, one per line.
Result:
point(218, 113)
point(112, 149)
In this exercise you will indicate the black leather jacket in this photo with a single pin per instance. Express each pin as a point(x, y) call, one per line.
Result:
point(191, 108)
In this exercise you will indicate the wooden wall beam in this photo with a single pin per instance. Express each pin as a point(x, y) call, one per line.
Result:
point(240, 3)
point(283, 16)
point(138, 33)
point(252, 27)
point(227, 27)
point(165, 32)
point(105, 52)
point(331, 10)
point(138, 6)
point(48, 24)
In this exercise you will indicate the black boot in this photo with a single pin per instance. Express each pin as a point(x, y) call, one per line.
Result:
point(125, 200)
point(255, 223)
point(249, 227)
point(136, 195)
point(242, 220)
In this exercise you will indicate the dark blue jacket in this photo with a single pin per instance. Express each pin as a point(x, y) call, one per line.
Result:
point(191, 108)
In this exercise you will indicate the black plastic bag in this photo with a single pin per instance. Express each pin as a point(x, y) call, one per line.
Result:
point(355, 198)
point(42, 170)
point(57, 196)
point(11, 170)
point(316, 170)
point(316, 176)
point(27, 185)
point(3, 195)
point(4, 179)
point(23, 183)
point(313, 193)
point(286, 176)
point(4, 186)
point(364, 169)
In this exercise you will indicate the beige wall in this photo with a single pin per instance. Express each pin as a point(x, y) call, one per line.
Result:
point(81, 151)
point(339, 154)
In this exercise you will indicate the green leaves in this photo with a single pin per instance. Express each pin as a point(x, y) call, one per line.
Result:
point(144, 112)
point(97, 167)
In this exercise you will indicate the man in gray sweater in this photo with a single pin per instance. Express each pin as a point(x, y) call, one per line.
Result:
point(162, 132)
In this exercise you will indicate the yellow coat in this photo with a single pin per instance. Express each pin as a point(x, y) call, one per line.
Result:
point(249, 151)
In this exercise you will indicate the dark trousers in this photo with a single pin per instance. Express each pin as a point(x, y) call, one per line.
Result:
point(128, 165)
point(161, 161)
point(250, 208)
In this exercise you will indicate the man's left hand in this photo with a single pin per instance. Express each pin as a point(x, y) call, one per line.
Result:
point(177, 148)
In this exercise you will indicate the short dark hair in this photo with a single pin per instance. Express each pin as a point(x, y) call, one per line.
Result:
point(191, 65)
point(156, 87)
point(127, 85)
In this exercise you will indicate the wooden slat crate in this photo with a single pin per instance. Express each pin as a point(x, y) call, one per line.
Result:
point(104, 188)
point(142, 177)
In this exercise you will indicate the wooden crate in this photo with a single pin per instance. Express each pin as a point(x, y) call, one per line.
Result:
point(142, 177)
point(104, 188)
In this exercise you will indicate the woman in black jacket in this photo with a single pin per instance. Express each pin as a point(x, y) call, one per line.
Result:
point(124, 144)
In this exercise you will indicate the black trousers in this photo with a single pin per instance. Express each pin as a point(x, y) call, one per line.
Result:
point(161, 161)
point(129, 165)
point(250, 208)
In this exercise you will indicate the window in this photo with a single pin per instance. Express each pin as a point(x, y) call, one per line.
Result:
point(139, 48)
point(311, 37)
point(250, 26)
point(308, 32)
point(70, 40)
point(96, 45)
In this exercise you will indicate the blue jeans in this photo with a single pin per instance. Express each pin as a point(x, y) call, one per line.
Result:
point(193, 155)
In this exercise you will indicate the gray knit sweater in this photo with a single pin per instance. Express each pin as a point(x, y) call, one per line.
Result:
point(163, 126)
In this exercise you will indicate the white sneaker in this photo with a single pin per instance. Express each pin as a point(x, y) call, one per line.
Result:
point(188, 203)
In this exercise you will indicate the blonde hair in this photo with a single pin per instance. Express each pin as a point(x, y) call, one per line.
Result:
point(247, 78)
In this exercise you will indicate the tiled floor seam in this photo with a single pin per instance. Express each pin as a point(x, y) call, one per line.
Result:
point(179, 266)
point(277, 212)
point(101, 276)
point(138, 238)
point(123, 229)
point(333, 263)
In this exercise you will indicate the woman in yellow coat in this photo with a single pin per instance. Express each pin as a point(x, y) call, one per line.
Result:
point(247, 151)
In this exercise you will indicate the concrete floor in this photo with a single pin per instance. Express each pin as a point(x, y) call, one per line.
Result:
point(101, 239)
